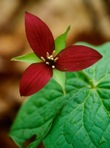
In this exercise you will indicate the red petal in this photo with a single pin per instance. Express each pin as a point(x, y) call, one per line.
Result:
point(76, 58)
point(39, 35)
point(34, 78)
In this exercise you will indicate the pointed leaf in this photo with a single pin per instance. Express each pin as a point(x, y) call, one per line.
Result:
point(29, 58)
point(39, 35)
point(81, 119)
point(60, 41)
point(77, 57)
point(35, 78)
point(60, 77)
point(37, 114)
point(85, 120)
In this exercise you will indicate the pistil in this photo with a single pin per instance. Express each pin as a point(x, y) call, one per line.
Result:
point(50, 60)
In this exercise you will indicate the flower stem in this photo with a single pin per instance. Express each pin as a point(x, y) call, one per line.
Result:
point(64, 91)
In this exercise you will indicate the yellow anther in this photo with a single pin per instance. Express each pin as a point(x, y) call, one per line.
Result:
point(55, 59)
point(53, 66)
point(42, 58)
point(48, 58)
point(47, 54)
point(51, 58)
point(53, 53)
point(47, 63)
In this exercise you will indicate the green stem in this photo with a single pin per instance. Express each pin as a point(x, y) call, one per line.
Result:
point(64, 91)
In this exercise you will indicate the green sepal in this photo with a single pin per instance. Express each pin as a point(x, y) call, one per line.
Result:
point(60, 77)
point(60, 41)
point(29, 58)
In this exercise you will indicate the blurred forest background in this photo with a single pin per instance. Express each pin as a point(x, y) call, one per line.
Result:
point(89, 20)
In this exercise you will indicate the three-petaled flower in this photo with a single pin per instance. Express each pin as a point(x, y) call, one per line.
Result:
point(40, 38)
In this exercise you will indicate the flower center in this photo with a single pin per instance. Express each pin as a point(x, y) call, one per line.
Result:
point(50, 59)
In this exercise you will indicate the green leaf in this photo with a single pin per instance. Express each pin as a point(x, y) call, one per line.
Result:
point(36, 115)
point(60, 41)
point(79, 119)
point(84, 121)
point(29, 58)
point(60, 77)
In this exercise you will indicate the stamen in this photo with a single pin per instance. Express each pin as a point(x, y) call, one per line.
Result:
point(55, 59)
point(53, 53)
point(47, 63)
point(43, 59)
point(47, 54)
point(53, 66)
point(51, 56)
point(50, 60)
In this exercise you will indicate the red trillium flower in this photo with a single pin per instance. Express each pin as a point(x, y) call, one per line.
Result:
point(40, 38)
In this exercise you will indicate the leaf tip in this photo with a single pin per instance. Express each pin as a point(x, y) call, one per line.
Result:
point(68, 28)
point(13, 59)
